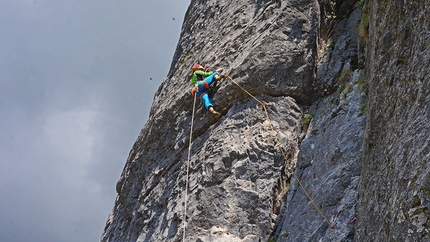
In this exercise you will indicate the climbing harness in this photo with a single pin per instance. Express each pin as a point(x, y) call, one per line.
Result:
point(188, 168)
point(285, 157)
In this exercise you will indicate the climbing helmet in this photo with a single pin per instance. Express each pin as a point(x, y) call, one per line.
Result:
point(197, 67)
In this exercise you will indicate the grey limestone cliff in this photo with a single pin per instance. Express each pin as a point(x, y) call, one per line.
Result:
point(394, 190)
point(326, 80)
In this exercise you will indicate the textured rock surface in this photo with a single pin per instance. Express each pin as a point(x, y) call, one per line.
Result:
point(394, 197)
point(300, 57)
point(329, 159)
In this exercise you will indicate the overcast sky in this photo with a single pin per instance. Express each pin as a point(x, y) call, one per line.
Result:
point(75, 91)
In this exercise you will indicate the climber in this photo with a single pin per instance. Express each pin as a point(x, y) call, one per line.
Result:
point(200, 73)
point(202, 80)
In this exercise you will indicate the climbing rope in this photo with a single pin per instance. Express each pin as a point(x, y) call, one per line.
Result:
point(188, 168)
point(285, 157)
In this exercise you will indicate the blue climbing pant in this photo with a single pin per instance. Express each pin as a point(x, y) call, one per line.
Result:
point(204, 88)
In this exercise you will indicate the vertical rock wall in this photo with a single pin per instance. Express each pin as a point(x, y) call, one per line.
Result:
point(394, 199)
point(329, 158)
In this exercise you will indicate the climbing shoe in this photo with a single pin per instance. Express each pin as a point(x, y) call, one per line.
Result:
point(216, 114)
point(219, 77)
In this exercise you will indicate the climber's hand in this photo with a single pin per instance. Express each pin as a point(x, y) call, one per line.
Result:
point(206, 67)
point(194, 90)
point(219, 70)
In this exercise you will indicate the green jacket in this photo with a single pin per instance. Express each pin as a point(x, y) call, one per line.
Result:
point(200, 75)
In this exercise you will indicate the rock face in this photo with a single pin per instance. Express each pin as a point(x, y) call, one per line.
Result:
point(305, 61)
point(394, 199)
point(329, 158)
